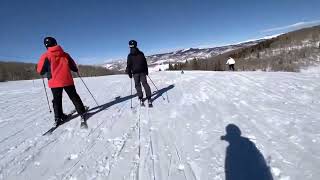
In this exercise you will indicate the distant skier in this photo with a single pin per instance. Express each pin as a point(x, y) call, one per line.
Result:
point(137, 68)
point(57, 65)
point(231, 63)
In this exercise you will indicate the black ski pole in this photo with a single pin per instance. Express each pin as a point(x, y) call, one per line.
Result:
point(131, 92)
point(45, 90)
point(156, 87)
point(87, 89)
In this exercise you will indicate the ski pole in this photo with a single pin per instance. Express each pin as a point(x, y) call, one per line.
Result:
point(87, 89)
point(45, 90)
point(131, 92)
point(156, 87)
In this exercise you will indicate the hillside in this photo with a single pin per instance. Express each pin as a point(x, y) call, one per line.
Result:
point(293, 51)
point(178, 139)
point(13, 71)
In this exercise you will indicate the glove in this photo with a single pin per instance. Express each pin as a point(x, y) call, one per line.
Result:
point(147, 73)
point(130, 75)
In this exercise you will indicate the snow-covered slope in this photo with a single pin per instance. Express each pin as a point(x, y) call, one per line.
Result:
point(178, 139)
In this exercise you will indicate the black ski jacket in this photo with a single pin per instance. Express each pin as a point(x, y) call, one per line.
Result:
point(136, 62)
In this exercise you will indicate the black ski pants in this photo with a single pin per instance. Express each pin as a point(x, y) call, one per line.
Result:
point(73, 95)
point(141, 78)
point(231, 67)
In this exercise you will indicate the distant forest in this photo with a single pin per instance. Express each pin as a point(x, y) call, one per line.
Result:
point(13, 71)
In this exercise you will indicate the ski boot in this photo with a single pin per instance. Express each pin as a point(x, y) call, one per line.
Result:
point(83, 121)
point(83, 117)
point(150, 103)
point(141, 102)
point(57, 122)
point(64, 117)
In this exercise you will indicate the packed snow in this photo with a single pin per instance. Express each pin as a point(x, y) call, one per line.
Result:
point(178, 139)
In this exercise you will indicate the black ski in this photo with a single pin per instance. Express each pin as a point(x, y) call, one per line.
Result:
point(50, 131)
point(70, 116)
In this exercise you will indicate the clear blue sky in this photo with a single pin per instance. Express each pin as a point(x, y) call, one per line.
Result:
point(93, 31)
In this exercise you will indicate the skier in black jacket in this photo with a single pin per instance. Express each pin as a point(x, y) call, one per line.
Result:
point(137, 68)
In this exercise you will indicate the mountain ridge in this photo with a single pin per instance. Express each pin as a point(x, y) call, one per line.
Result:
point(162, 60)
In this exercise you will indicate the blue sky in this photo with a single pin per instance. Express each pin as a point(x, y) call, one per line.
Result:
point(98, 30)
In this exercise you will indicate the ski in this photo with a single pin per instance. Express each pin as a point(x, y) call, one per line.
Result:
point(69, 116)
point(50, 131)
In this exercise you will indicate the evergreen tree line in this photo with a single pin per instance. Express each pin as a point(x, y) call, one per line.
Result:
point(13, 71)
point(198, 64)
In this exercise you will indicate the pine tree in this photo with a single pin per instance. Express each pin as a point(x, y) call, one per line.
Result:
point(3, 74)
point(176, 66)
point(170, 67)
point(195, 65)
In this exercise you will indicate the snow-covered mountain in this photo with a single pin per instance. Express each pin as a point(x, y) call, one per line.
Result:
point(178, 139)
point(161, 61)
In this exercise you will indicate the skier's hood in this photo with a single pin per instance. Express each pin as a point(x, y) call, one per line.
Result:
point(134, 51)
point(233, 133)
point(56, 50)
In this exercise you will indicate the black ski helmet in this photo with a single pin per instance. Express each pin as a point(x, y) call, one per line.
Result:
point(133, 43)
point(49, 42)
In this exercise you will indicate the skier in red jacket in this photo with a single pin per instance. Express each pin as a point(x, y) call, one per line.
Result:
point(57, 65)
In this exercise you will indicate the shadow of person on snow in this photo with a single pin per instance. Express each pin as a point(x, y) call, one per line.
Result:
point(120, 99)
point(159, 93)
point(243, 159)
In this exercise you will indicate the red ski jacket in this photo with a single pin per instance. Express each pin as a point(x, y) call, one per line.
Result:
point(57, 64)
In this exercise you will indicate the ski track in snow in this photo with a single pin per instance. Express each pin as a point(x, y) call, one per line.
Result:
point(178, 139)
